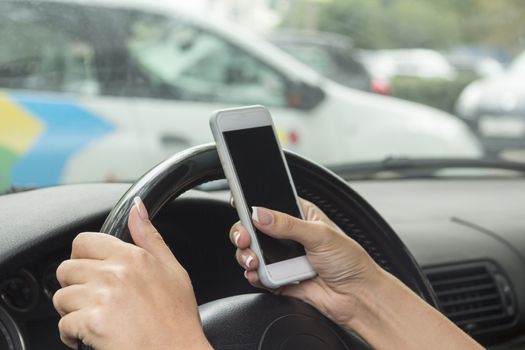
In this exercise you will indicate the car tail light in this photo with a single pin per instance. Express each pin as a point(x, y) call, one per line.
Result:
point(293, 137)
point(380, 86)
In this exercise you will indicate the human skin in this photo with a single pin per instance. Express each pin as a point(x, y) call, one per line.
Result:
point(350, 288)
point(117, 295)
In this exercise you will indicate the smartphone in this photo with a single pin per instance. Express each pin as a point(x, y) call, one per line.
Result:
point(258, 175)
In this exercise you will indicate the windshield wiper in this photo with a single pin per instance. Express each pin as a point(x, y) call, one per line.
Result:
point(421, 168)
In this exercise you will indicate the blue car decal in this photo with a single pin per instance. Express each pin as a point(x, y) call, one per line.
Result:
point(68, 128)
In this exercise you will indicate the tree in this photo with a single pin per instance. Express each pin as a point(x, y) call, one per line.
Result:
point(435, 24)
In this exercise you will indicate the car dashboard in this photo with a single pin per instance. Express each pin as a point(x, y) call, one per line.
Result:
point(468, 235)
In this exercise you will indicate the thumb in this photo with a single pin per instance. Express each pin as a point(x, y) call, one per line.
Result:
point(144, 234)
point(278, 225)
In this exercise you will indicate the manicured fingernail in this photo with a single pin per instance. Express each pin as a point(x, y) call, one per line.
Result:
point(246, 274)
point(236, 236)
point(262, 216)
point(143, 212)
point(247, 259)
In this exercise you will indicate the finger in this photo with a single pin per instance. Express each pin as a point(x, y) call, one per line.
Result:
point(304, 290)
point(73, 329)
point(247, 259)
point(95, 245)
point(77, 271)
point(144, 234)
point(313, 213)
point(282, 226)
point(70, 299)
point(239, 236)
point(253, 278)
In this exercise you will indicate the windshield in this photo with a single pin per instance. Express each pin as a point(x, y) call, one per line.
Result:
point(100, 91)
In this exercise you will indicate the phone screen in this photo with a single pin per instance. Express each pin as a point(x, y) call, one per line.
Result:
point(264, 181)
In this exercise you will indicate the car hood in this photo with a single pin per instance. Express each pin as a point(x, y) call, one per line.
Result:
point(394, 127)
point(502, 94)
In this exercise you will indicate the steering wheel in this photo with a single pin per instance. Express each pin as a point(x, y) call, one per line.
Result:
point(264, 321)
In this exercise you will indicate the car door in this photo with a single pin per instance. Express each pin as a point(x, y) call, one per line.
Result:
point(196, 71)
point(55, 124)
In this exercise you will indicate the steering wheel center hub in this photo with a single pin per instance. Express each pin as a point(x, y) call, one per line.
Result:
point(299, 331)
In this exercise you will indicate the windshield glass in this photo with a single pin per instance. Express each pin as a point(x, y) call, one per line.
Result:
point(100, 91)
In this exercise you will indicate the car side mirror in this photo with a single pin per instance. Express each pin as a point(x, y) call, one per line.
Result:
point(304, 96)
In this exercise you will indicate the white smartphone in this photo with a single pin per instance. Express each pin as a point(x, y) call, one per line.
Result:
point(258, 175)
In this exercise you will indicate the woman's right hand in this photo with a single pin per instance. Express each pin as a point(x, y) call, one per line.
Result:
point(350, 288)
point(344, 269)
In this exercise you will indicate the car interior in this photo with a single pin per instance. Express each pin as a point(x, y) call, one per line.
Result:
point(457, 242)
point(105, 100)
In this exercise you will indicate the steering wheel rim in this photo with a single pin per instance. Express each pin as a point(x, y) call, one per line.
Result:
point(344, 206)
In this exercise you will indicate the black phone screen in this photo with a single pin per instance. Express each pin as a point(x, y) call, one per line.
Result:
point(264, 181)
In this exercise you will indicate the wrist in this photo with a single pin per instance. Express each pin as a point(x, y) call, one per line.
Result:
point(388, 315)
point(368, 300)
point(188, 336)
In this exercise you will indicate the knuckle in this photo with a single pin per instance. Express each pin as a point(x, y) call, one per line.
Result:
point(94, 323)
point(156, 236)
point(310, 209)
point(286, 224)
point(329, 233)
point(62, 327)
point(325, 228)
point(57, 298)
point(119, 273)
point(79, 242)
point(103, 296)
point(61, 271)
point(140, 256)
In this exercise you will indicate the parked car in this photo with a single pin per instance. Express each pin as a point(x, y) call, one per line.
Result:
point(495, 108)
point(475, 62)
point(102, 90)
point(332, 55)
point(418, 63)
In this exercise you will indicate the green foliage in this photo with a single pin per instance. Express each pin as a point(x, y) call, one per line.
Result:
point(434, 24)
point(438, 93)
point(380, 24)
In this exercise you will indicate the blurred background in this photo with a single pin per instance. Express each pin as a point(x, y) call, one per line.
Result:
point(102, 90)
point(426, 51)
point(423, 51)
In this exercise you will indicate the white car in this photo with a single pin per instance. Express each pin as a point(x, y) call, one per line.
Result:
point(418, 63)
point(109, 88)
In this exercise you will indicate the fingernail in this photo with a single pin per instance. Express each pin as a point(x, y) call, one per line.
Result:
point(143, 212)
point(236, 236)
point(262, 216)
point(247, 259)
point(246, 274)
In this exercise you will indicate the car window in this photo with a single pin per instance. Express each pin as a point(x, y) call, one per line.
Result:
point(315, 56)
point(199, 65)
point(47, 52)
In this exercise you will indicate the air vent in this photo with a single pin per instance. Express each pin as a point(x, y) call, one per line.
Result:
point(476, 296)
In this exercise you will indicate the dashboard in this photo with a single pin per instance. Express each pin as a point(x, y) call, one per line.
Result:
point(467, 234)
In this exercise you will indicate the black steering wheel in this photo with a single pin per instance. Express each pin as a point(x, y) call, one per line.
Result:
point(264, 321)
